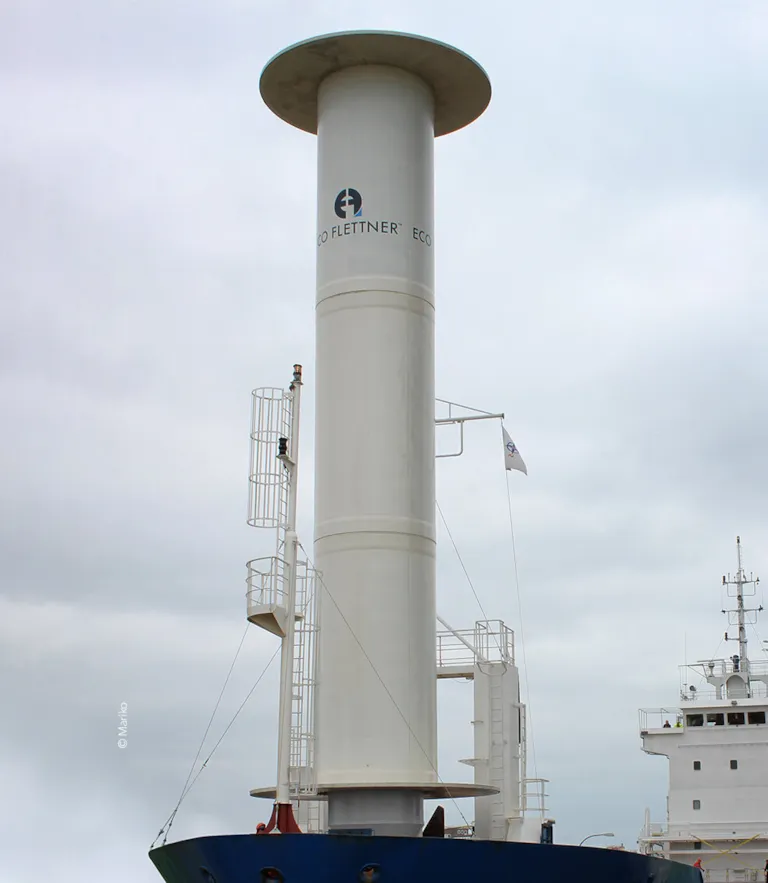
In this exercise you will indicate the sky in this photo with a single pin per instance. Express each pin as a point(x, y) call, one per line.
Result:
point(601, 278)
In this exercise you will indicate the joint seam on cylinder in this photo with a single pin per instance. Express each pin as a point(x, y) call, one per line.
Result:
point(396, 533)
point(363, 291)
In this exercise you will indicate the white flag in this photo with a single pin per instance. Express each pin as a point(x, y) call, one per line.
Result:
point(512, 458)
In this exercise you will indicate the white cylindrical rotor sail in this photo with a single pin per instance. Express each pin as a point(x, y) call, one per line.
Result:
point(374, 435)
point(376, 101)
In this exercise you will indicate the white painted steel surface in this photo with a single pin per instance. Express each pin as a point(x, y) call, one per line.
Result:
point(374, 443)
point(721, 807)
point(497, 749)
point(717, 743)
point(376, 100)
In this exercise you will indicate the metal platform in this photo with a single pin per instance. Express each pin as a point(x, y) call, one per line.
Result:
point(431, 790)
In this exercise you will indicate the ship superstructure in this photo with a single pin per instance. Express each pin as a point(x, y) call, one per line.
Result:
point(716, 740)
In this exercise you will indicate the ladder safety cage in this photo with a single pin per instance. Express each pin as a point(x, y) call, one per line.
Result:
point(302, 743)
point(268, 479)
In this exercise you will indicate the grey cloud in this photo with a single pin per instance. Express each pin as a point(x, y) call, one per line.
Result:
point(600, 279)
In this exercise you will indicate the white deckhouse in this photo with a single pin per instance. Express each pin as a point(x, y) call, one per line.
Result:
point(717, 745)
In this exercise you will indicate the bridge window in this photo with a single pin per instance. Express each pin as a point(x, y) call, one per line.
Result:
point(736, 718)
point(697, 764)
point(694, 720)
point(756, 717)
point(715, 720)
point(697, 804)
point(734, 764)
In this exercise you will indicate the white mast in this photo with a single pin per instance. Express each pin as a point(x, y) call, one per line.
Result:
point(740, 662)
point(291, 463)
point(272, 585)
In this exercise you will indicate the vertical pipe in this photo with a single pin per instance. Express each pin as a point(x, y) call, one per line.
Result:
point(286, 651)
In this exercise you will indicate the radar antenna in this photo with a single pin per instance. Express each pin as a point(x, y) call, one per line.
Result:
point(738, 617)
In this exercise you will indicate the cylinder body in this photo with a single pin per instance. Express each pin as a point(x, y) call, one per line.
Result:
point(374, 443)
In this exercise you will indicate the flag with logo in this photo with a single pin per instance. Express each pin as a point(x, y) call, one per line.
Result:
point(512, 458)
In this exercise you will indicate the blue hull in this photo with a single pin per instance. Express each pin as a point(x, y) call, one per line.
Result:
point(322, 858)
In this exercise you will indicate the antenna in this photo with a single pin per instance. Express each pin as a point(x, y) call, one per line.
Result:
point(737, 617)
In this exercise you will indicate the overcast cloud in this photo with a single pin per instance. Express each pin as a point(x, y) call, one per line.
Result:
point(602, 276)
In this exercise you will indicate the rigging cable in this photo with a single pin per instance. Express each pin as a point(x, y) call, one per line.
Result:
point(213, 713)
point(466, 574)
point(496, 638)
point(186, 790)
point(461, 561)
point(166, 828)
point(717, 650)
point(529, 716)
point(757, 635)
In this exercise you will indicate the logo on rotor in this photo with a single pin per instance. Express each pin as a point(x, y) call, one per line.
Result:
point(348, 204)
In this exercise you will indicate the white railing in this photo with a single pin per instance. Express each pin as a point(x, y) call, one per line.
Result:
point(453, 651)
point(266, 591)
point(656, 834)
point(656, 831)
point(658, 718)
point(495, 641)
point(708, 696)
point(534, 796)
point(488, 641)
point(730, 875)
point(721, 668)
